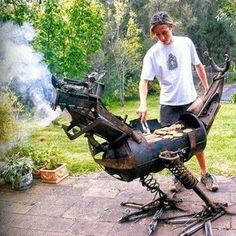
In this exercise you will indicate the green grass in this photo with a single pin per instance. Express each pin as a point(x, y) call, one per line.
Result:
point(74, 153)
point(221, 144)
point(220, 150)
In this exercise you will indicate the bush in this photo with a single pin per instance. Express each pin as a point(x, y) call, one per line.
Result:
point(154, 88)
point(16, 168)
point(233, 98)
point(9, 109)
point(42, 155)
point(231, 77)
point(110, 100)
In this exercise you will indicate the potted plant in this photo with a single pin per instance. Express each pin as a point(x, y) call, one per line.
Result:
point(18, 172)
point(44, 156)
point(53, 171)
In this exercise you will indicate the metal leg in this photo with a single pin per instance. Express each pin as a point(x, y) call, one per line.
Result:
point(208, 228)
point(155, 220)
point(155, 208)
point(138, 215)
point(212, 210)
point(193, 222)
point(159, 205)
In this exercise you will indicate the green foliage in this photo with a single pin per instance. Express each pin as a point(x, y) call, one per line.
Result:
point(14, 10)
point(49, 156)
point(200, 20)
point(51, 141)
point(68, 33)
point(132, 47)
point(208, 33)
point(42, 154)
point(233, 98)
point(123, 55)
point(227, 9)
point(9, 110)
point(154, 88)
point(110, 100)
point(231, 76)
point(17, 167)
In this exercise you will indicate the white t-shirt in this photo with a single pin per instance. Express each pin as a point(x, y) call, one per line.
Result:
point(172, 66)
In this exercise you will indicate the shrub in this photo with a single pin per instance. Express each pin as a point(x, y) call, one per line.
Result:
point(42, 155)
point(10, 109)
point(233, 98)
point(16, 168)
point(154, 88)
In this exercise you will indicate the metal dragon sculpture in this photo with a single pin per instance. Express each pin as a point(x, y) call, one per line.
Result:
point(127, 153)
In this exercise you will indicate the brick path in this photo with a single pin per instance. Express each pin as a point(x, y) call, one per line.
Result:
point(90, 206)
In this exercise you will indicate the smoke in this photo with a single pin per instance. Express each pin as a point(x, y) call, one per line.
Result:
point(23, 69)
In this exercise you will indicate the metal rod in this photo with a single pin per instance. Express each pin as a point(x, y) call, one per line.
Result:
point(208, 228)
point(203, 196)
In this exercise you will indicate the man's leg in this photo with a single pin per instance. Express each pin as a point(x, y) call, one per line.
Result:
point(207, 179)
point(168, 116)
point(202, 162)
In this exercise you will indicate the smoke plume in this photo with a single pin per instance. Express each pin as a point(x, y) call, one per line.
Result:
point(23, 69)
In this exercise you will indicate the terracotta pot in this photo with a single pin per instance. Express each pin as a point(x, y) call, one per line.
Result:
point(37, 173)
point(54, 176)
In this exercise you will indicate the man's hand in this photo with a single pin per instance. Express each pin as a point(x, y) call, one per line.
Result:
point(142, 114)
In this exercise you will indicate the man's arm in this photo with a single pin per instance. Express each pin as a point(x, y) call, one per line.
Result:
point(143, 91)
point(201, 72)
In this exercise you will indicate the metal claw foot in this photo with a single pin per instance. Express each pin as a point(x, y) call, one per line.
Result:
point(155, 208)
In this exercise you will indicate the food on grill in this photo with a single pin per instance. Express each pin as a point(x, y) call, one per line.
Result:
point(178, 135)
point(187, 130)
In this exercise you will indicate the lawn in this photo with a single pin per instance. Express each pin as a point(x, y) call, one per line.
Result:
point(220, 150)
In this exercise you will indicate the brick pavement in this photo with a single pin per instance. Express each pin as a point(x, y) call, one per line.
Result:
point(89, 205)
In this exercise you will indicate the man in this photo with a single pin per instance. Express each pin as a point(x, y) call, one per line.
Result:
point(170, 60)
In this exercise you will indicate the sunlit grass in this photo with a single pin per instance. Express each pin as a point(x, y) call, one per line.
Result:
point(75, 153)
point(221, 146)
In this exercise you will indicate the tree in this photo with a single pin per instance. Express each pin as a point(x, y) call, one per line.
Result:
point(69, 32)
point(119, 55)
point(200, 21)
point(227, 14)
point(121, 51)
point(14, 10)
point(227, 9)
point(209, 33)
point(132, 49)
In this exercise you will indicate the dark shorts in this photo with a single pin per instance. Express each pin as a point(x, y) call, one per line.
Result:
point(170, 114)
